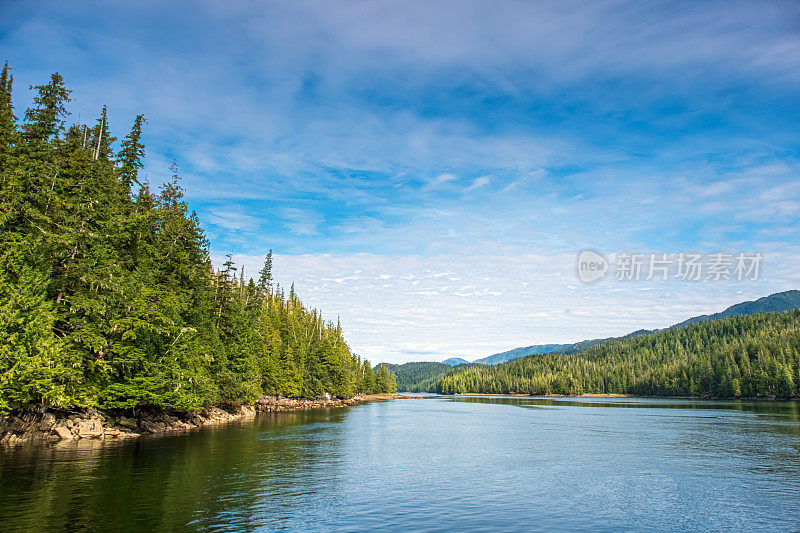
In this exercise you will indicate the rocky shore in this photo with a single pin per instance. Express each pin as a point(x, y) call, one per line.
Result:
point(53, 426)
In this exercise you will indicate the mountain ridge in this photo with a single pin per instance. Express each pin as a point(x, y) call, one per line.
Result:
point(773, 303)
point(509, 355)
point(455, 361)
point(422, 376)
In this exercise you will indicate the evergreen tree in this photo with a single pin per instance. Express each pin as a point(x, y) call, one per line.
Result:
point(7, 120)
point(45, 120)
point(34, 366)
point(368, 385)
point(733, 357)
point(385, 382)
point(101, 138)
point(108, 297)
point(131, 154)
point(265, 275)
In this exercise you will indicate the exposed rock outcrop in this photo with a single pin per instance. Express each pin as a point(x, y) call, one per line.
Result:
point(60, 425)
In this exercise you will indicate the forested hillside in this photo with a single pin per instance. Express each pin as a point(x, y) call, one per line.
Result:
point(421, 376)
point(774, 303)
point(748, 356)
point(107, 294)
point(418, 377)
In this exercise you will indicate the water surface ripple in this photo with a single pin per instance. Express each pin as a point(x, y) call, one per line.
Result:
point(433, 464)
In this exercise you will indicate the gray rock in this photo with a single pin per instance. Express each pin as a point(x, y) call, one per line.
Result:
point(126, 422)
point(17, 424)
point(151, 427)
point(48, 421)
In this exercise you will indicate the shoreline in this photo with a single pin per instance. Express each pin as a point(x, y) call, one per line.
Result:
point(587, 395)
point(615, 395)
point(56, 426)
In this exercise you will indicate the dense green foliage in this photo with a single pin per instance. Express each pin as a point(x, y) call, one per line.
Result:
point(747, 356)
point(107, 294)
point(774, 303)
point(385, 381)
point(420, 377)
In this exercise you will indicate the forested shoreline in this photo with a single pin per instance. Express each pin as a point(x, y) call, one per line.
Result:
point(108, 297)
point(753, 356)
point(418, 376)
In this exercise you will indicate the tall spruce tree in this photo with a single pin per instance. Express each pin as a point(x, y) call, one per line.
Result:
point(45, 120)
point(385, 382)
point(131, 155)
point(7, 120)
point(265, 275)
point(101, 138)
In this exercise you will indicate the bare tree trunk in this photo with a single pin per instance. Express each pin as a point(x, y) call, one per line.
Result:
point(99, 138)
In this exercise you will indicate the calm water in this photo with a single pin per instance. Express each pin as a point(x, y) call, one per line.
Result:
point(439, 463)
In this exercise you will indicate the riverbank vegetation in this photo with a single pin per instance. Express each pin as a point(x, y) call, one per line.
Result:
point(108, 297)
point(745, 356)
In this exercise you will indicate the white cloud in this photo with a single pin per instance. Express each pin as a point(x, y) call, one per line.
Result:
point(441, 179)
point(300, 221)
point(276, 104)
point(430, 318)
point(479, 182)
point(233, 219)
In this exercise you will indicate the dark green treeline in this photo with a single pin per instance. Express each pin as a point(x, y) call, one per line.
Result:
point(419, 376)
point(107, 293)
point(750, 356)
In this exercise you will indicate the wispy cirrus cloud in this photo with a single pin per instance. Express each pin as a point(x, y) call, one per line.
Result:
point(415, 131)
point(479, 182)
point(400, 308)
point(301, 222)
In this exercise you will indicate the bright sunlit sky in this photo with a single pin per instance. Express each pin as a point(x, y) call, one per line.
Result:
point(429, 170)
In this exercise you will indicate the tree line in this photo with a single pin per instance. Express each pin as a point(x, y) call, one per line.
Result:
point(745, 356)
point(108, 297)
point(420, 376)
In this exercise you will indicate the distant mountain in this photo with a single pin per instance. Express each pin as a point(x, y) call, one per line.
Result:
point(455, 361)
point(536, 349)
point(581, 346)
point(738, 356)
point(418, 377)
point(422, 377)
point(774, 303)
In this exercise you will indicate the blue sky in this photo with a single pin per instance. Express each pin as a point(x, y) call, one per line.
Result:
point(430, 170)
